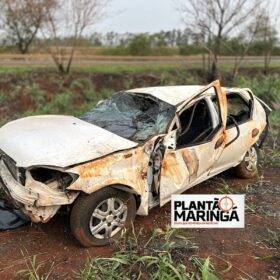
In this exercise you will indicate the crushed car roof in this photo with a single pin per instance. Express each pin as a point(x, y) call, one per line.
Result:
point(173, 95)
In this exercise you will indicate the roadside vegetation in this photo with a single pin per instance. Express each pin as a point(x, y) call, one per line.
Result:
point(161, 256)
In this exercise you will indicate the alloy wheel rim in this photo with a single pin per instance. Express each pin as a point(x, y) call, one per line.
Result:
point(108, 218)
point(251, 159)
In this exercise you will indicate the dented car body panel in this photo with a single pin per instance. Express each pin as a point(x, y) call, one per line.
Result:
point(47, 161)
point(127, 168)
point(59, 141)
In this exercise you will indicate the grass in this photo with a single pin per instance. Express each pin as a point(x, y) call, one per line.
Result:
point(161, 257)
point(21, 69)
point(224, 187)
point(272, 241)
point(270, 154)
point(182, 63)
point(75, 98)
point(33, 268)
point(250, 190)
point(101, 69)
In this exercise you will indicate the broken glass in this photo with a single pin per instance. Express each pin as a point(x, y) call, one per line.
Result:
point(133, 116)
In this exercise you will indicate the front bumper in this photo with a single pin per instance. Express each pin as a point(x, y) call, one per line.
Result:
point(38, 201)
point(15, 189)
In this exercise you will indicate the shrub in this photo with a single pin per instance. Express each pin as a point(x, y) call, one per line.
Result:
point(140, 45)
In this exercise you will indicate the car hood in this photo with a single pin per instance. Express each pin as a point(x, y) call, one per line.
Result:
point(59, 141)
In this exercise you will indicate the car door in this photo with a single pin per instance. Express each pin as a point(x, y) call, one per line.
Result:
point(240, 108)
point(185, 164)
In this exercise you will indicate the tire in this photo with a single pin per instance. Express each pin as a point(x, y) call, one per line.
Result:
point(101, 217)
point(248, 168)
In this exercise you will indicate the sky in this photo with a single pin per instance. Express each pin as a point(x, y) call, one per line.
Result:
point(137, 16)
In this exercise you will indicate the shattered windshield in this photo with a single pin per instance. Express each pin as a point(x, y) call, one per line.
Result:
point(132, 116)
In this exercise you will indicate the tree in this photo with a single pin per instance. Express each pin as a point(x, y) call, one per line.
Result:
point(96, 39)
point(69, 19)
point(260, 35)
point(140, 45)
point(266, 37)
point(218, 19)
point(240, 45)
point(23, 19)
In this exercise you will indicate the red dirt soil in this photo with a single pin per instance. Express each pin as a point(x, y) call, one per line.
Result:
point(54, 244)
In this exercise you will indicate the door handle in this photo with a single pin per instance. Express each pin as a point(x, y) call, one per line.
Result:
point(219, 143)
point(255, 132)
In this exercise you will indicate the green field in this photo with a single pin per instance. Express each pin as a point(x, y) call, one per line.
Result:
point(136, 68)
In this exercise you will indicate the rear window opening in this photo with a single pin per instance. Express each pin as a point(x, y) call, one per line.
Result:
point(238, 108)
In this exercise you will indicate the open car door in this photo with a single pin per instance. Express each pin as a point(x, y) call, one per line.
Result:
point(195, 142)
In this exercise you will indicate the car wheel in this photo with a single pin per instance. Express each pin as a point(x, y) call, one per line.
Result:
point(101, 217)
point(248, 168)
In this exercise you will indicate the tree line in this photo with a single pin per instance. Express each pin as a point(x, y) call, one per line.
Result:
point(50, 21)
point(212, 28)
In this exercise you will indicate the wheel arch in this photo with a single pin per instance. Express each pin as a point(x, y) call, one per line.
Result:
point(128, 189)
point(121, 187)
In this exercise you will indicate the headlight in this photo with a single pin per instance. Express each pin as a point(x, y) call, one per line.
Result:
point(54, 179)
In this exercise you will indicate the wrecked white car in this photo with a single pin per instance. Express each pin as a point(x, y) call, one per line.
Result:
point(129, 154)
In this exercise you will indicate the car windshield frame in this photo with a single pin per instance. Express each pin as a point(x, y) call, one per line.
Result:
point(131, 115)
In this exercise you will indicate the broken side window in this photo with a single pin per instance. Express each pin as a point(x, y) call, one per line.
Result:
point(196, 125)
point(238, 108)
point(132, 116)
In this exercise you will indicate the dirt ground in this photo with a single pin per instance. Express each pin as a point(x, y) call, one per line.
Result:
point(250, 252)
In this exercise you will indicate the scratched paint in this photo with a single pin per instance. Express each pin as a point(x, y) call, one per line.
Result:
point(126, 168)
